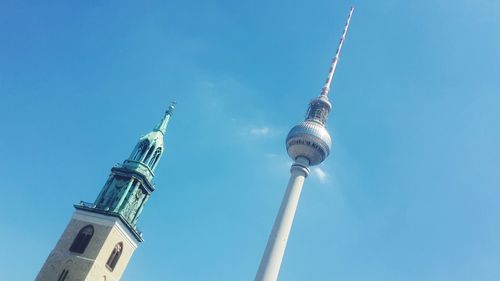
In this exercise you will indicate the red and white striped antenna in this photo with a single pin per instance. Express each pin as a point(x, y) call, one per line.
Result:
point(328, 82)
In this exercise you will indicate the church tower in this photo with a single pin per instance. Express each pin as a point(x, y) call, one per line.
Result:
point(102, 236)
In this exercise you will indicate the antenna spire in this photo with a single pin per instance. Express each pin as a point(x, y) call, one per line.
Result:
point(328, 82)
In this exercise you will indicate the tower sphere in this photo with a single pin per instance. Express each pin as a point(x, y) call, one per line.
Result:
point(310, 140)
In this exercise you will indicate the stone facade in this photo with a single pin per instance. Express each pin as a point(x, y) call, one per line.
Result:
point(91, 265)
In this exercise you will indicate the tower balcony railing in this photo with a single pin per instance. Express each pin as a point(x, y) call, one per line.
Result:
point(89, 205)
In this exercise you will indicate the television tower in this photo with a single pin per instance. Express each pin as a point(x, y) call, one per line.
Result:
point(308, 144)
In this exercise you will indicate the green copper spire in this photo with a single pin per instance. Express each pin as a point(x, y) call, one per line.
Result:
point(148, 151)
point(162, 126)
point(130, 184)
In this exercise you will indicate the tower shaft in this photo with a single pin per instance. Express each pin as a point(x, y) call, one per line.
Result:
point(275, 249)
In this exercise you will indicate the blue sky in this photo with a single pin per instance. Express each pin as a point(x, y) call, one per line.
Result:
point(411, 190)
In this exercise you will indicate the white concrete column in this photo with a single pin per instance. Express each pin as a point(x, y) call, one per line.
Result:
point(271, 260)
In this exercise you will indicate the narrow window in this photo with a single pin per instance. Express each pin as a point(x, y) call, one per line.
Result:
point(155, 157)
point(115, 255)
point(141, 149)
point(63, 275)
point(152, 163)
point(151, 160)
point(82, 239)
point(149, 154)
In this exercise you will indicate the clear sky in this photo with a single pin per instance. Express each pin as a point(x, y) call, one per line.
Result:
point(411, 190)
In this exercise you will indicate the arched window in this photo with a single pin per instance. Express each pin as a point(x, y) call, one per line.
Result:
point(155, 157)
point(82, 239)
point(141, 150)
point(148, 155)
point(115, 255)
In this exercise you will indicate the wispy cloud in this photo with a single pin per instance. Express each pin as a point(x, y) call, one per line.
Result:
point(262, 131)
point(320, 174)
